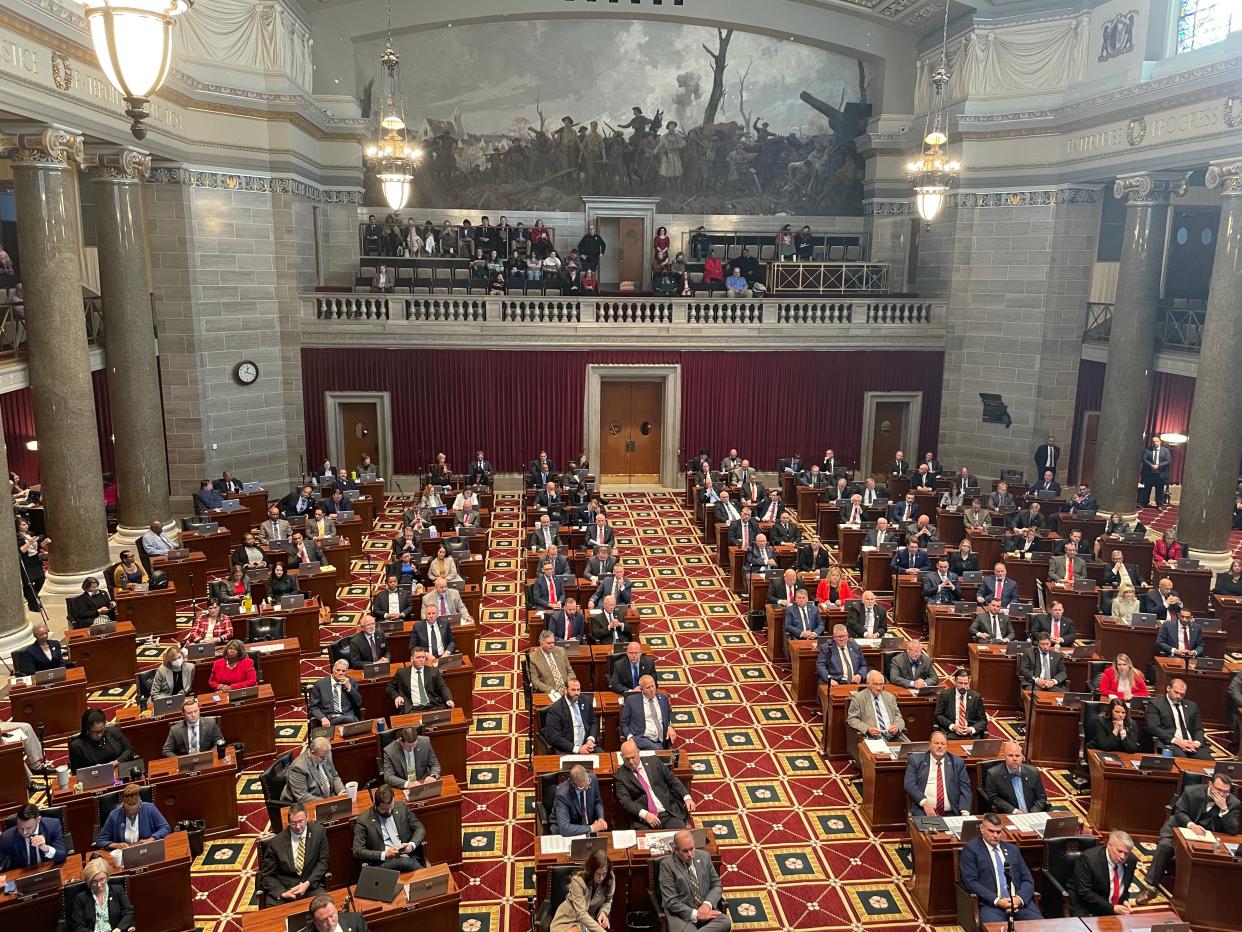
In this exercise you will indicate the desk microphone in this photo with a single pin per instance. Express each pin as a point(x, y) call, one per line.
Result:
point(1009, 913)
point(349, 898)
point(41, 728)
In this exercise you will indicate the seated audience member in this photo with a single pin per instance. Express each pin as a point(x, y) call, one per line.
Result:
point(433, 634)
point(692, 904)
point(1067, 567)
point(1202, 808)
point(409, 760)
point(207, 498)
point(443, 565)
point(420, 686)
point(295, 859)
point(960, 711)
point(34, 839)
point(544, 535)
point(280, 584)
point(98, 743)
point(1075, 538)
point(578, 808)
point(981, 871)
point(274, 528)
point(813, 557)
point(94, 604)
point(608, 624)
point(570, 725)
point(911, 560)
point(368, 645)
point(963, 559)
point(629, 669)
point(103, 903)
point(312, 775)
point(389, 834)
point(833, 591)
point(904, 512)
point(616, 586)
point(744, 530)
point(334, 504)
point(784, 532)
point(335, 699)
point(873, 712)
point(297, 503)
point(991, 624)
point(1126, 604)
point(1100, 884)
point(1167, 549)
point(210, 625)
point(601, 564)
point(641, 779)
point(128, 573)
point(304, 551)
point(976, 516)
point(588, 903)
point(802, 619)
point(567, 623)
point(43, 654)
point(736, 285)
point(548, 666)
point(781, 591)
point(1014, 786)
point(866, 618)
point(248, 555)
point(233, 670)
point(133, 822)
point(194, 733)
point(1021, 542)
point(713, 268)
point(1163, 601)
point(1113, 729)
point(912, 668)
point(1173, 722)
point(1043, 667)
point(646, 717)
point(560, 564)
point(1056, 625)
point(1122, 680)
point(1181, 636)
point(1119, 573)
point(155, 542)
point(840, 661)
point(761, 557)
point(936, 781)
point(322, 525)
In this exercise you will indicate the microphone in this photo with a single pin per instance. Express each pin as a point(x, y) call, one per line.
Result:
point(1012, 911)
point(41, 729)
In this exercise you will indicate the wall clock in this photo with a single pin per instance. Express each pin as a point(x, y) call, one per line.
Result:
point(246, 372)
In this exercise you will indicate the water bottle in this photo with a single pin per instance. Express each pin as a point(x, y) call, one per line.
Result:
point(1167, 751)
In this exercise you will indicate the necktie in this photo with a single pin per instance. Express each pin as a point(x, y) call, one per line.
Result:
point(374, 652)
point(881, 720)
point(745, 537)
point(995, 628)
point(653, 716)
point(194, 739)
point(336, 698)
point(847, 669)
point(1015, 780)
point(940, 787)
point(1056, 631)
point(1000, 872)
point(1182, 639)
point(32, 853)
point(1181, 721)
point(557, 681)
point(634, 674)
point(1116, 896)
point(433, 636)
point(302, 554)
point(1043, 665)
point(420, 695)
point(870, 629)
point(961, 709)
point(443, 605)
point(275, 528)
point(410, 769)
point(772, 512)
point(586, 818)
point(802, 611)
point(298, 855)
point(1049, 463)
point(641, 776)
point(324, 786)
point(1069, 569)
point(692, 876)
point(854, 515)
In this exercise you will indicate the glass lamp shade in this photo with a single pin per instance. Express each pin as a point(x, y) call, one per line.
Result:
point(396, 188)
point(929, 201)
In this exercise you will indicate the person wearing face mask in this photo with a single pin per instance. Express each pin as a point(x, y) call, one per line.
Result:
point(174, 676)
point(295, 860)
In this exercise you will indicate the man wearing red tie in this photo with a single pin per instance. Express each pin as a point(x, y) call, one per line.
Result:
point(937, 782)
point(548, 592)
point(304, 551)
point(1100, 884)
point(774, 507)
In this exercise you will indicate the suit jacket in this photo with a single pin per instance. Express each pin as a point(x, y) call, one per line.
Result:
point(668, 790)
point(224, 486)
point(558, 723)
point(536, 539)
point(621, 677)
point(1008, 591)
point(898, 467)
point(958, 796)
point(120, 910)
point(421, 637)
point(728, 515)
point(983, 624)
point(321, 699)
point(541, 677)
point(861, 712)
point(178, 740)
point(360, 650)
point(479, 473)
point(1026, 519)
point(982, 519)
point(960, 565)
point(565, 628)
point(763, 511)
point(544, 593)
point(1091, 884)
point(560, 566)
point(1058, 568)
point(782, 533)
point(1156, 462)
point(568, 816)
point(757, 560)
point(1100, 737)
point(14, 850)
point(904, 560)
point(30, 659)
point(393, 766)
point(600, 634)
point(553, 504)
point(634, 715)
point(997, 501)
point(594, 536)
point(809, 561)
point(946, 713)
point(452, 600)
point(1191, 807)
point(903, 671)
point(609, 585)
point(379, 604)
point(1153, 602)
point(438, 695)
point(1041, 457)
point(1161, 722)
point(899, 516)
point(151, 824)
point(596, 568)
point(793, 622)
point(84, 608)
point(1028, 668)
point(751, 491)
point(856, 619)
point(313, 553)
point(1042, 623)
point(979, 877)
point(922, 480)
point(932, 591)
point(735, 533)
point(998, 790)
point(267, 533)
point(1112, 578)
point(369, 837)
point(277, 872)
point(828, 664)
point(778, 590)
point(302, 783)
point(1235, 690)
point(1166, 640)
point(677, 894)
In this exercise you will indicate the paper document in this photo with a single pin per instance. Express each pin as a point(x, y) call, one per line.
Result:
point(876, 745)
point(621, 760)
point(592, 759)
point(1028, 821)
point(553, 844)
point(867, 642)
point(624, 839)
point(954, 823)
point(1194, 836)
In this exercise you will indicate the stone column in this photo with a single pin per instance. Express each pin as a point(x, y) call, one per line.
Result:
point(14, 630)
point(133, 373)
point(59, 360)
point(1215, 431)
point(1132, 340)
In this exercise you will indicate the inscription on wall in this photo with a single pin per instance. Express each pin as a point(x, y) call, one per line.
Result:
point(1150, 130)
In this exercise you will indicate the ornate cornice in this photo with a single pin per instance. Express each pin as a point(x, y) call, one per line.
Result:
point(1226, 175)
point(127, 165)
point(254, 184)
point(54, 147)
point(1044, 198)
point(1146, 188)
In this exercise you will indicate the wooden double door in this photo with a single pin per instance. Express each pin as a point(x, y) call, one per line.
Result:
point(631, 422)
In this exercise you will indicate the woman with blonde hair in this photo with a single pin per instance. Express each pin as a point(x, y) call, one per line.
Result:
point(1122, 681)
point(1125, 603)
point(833, 590)
point(102, 905)
point(174, 676)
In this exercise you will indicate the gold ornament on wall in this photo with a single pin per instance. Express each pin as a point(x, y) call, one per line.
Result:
point(62, 71)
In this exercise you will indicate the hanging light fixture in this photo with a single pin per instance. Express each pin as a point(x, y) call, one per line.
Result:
point(933, 172)
point(391, 153)
point(133, 41)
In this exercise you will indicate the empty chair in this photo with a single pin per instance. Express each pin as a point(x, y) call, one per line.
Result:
point(836, 252)
point(853, 253)
point(819, 254)
point(732, 252)
point(767, 253)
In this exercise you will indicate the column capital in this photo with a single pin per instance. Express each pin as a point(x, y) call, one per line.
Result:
point(126, 165)
point(1146, 188)
point(1225, 174)
point(53, 147)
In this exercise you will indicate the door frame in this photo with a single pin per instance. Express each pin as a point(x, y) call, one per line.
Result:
point(332, 402)
point(670, 433)
point(625, 208)
point(909, 429)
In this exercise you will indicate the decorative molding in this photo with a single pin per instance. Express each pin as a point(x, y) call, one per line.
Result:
point(1048, 198)
point(1226, 175)
point(878, 208)
point(53, 147)
point(897, 7)
point(1147, 188)
point(255, 184)
point(1117, 36)
point(126, 165)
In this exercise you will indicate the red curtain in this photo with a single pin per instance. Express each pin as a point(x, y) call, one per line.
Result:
point(510, 404)
point(17, 415)
point(1088, 397)
point(1168, 412)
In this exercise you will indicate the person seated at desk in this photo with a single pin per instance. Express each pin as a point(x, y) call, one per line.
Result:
point(628, 670)
point(419, 687)
point(369, 644)
point(781, 591)
point(233, 589)
point(1230, 582)
point(1014, 786)
point(102, 904)
point(1181, 636)
point(133, 822)
point(879, 535)
point(210, 625)
point(1055, 625)
point(43, 654)
point(295, 859)
point(559, 562)
point(544, 535)
point(322, 525)
point(1100, 884)
point(785, 532)
point(304, 551)
point(873, 712)
point(91, 606)
point(234, 670)
point(922, 531)
point(1114, 527)
point(813, 557)
point(207, 498)
point(991, 624)
point(343, 482)
point(549, 500)
point(440, 473)
point(578, 808)
point(936, 781)
point(760, 557)
point(923, 478)
point(155, 542)
point(1113, 729)
point(941, 587)
point(274, 528)
point(1163, 601)
point(406, 542)
point(1043, 667)
point(690, 889)
point(588, 902)
point(599, 533)
point(446, 599)
point(998, 586)
point(1202, 808)
point(433, 634)
point(981, 869)
point(912, 668)
point(646, 717)
point(1081, 500)
point(548, 666)
point(98, 743)
point(570, 725)
point(812, 478)
point(1067, 567)
point(744, 531)
point(1122, 681)
point(569, 623)
point(976, 516)
point(548, 592)
point(128, 573)
point(1173, 722)
point(902, 513)
point(409, 759)
point(415, 518)
point(640, 779)
point(772, 509)
point(34, 839)
point(194, 733)
point(466, 509)
point(442, 564)
point(12, 732)
point(1001, 500)
point(280, 584)
point(393, 603)
point(607, 626)
point(616, 586)
point(842, 660)
point(852, 511)
point(1021, 543)
point(1075, 538)
point(1167, 549)
point(963, 559)
point(1046, 484)
point(174, 676)
point(335, 699)
point(388, 834)
point(1119, 573)
point(912, 560)
point(601, 564)
point(1125, 604)
point(866, 618)
point(312, 775)
point(228, 483)
point(802, 619)
point(296, 504)
point(960, 710)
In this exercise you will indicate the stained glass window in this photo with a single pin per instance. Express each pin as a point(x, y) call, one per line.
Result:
point(1204, 22)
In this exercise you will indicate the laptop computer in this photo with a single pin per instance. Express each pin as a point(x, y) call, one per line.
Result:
point(333, 809)
point(230, 608)
point(41, 882)
point(985, 747)
point(356, 728)
point(580, 848)
point(451, 662)
point(206, 528)
point(251, 487)
point(425, 889)
point(297, 600)
point(1154, 763)
point(1210, 663)
point(1229, 768)
point(101, 775)
point(230, 504)
point(344, 515)
point(191, 763)
point(352, 495)
point(177, 554)
point(103, 627)
point(970, 830)
point(1084, 585)
point(1143, 620)
point(201, 650)
point(972, 576)
point(309, 568)
point(419, 791)
point(374, 671)
point(437, 717)
point(377, 883)
point(241, 695)
point(54, 675)
point(162, 705)
point(1061, 826)
point(141, 855)
point(911, 747)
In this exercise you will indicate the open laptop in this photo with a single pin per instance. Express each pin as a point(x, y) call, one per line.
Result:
point(177, 554)
point(425, 889)
point(162, 705)
point(1155, 763)
point(309, 568)
point(202, 650)
point(377, 670)
point(251, 487)
point(230, 504)
point(1061, 826)
point(334, 809)
point(101, 775)
point(128, 770)
point(419, 791)
point(191, 763)
point(1144, 620)
point(580, 848)
point(985, 747)
point(102, 627)
point(451, 662)
point(297, 600)
point(377, 883)
point(241, 695)
point(356, 728)
point(436, 717)
point(141, 855)
point(54, 675)
point(41, 882)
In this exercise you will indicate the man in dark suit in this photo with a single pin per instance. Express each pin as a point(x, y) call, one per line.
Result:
point(1157, 459)
point(1047, 455)
point(960, 711)
point(369, 645)
point(866, 618)
point(578, 808)
point(228, 483)
point(772, 509)
point(991, 624)
point(568, 623)
point(1014, 786)
point(1048, 485)
point(941, 587)
point(388, 834)
point(304, 551)
point(1059, 628)
point(1173, 722)
point(1120, 573)
point(1100, 884)
point(480, 471)
point(541, 470)
point(924, 478)
point(601, 564)
point(43, 654)
point(708, 493)
point(998, 586)
point(1163, 601)
point(297, 503)
point(982, 870)
point(936, 781)
point(841, 661)
point(207, 498)
point(785, 531)
point(608, 624)
point(433, 633)
point(560, 563)
point(1081, 500)
point(912, 668)
point(1030, 518)
point(911, 560)
point(646, 716)
point(194, 733)
point(802, 621)
point(1181, 636)
point(903, 512)
point(392, 604)
point(616, 586)
point(1002, 499)
point(831, 463)
point(409, 759)
point(35, 839)
point(641, 779)
point(744, 530)
point(761, 557)
point(335, 699)
point(898, 465)
point(295, 860)
point(1202, 808)
point(813, 478)
point(750, 491)
point(325, 917)
point(548, 592)
point(550, 500)
point(726, 510)
point(544, 535)
point(570, 725)
point(419, 687)
point(1043, 667)
point(628, 669)
point(781, 592)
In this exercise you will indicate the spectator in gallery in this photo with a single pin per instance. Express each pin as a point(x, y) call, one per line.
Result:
point(700, 244)
point(590, 282)
point(478, 266)
point(448, 239)
point(785, 245)
point(573, 281)
point(682, 274)
point(552, 265)
point(804, 244)
point(736, 284)
point(540, 240)
point(494, 264)
point(383, 281)
point(372, 235)
point(661, 244)
point(497, 285)
point(465, 240)
point(713, 268)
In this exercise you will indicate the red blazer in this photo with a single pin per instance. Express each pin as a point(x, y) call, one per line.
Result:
point(1108, 684)
point(198, 630)
point(237, 677)
point(843, 590)
point(713, 270)
point(1163, 553)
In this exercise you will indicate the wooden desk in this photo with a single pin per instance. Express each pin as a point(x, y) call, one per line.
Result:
point(1194, 586)
point(322, 586)
point(59, 706)
point(608, 766)
point(273, 918)
point(465, 636)
point(994, 675)
point(301, 624)
point(161, 893)
point(1209, 689)
point(877, 574)
point(237, 522)
point(948, 633)
point(1205, 874)
point(250, 722)
point(256, 501)
point(1124, 799)
point(1028, 574)
point(839, 738)
point(987, 548)
point(109, 659)
point(215, 548)
point(44, 910)
point(448, 740)
point(1063, 924)
point(1143, 920)
point(12, 774)
point(189, 576)
point(1137, 552)
point(909, 603)
point(950, 527)
point(827, 522)
point(1080, 607)
point(281, 668)
point(1052, 738)
point(356, 758)
point(352, 531)
point(885, 804)
point(1114, 636)
point(849, 541)
point(607, 706)
point(151, 612)
point(1091, 528)
point(1228, 609)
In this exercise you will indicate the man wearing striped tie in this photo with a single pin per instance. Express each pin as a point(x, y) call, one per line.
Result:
point(295, 861)
point(937, 782)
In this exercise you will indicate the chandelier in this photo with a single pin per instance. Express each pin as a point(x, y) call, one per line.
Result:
point(933, 172)
point(133, 42)
point(391, 154)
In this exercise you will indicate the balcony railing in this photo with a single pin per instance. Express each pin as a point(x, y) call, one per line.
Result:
point(1179, 325)
point(13, 326)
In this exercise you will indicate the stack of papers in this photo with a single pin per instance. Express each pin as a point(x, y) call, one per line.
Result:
point(624, 839)
point(1194, 836)
point(877, 746)
point(867, 642)
point(592, 759)
point(553, 844)
point(1029, 821)
point(954, 823)
point(621, 760)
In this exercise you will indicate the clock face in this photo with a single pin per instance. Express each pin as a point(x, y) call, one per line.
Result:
point(247, 372)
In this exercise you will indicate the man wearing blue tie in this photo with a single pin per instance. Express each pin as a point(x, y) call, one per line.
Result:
point(34, 840)
point(578, 809)
point(629, 669)
point(1014, 786)
point(994, 871)
point(802, 621)
point(910, 560)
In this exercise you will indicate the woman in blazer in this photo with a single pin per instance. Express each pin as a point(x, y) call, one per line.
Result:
point(174, 676)
point(833, 589)
point(589, 897)
point(100, 894)
point(1167, 549)
point(1113, 730)
point(234, 670)
point(280, 583)
point(1122, 681)
point(443, 565)
point(211, 625)
point(1126, 603)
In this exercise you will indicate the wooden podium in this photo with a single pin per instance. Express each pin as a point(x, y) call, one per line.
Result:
point(151, 612)
point(109, 659)
point(1052, 738)
point(885, 804)
point(59, 706)
point(995, 675)
point(1205, 872)
point(1125, 799)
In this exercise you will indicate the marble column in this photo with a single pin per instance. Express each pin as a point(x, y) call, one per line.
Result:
point(14, 630)
point(59, 360)
point(1132, 339)
point(1215, 447)
point(133, 366)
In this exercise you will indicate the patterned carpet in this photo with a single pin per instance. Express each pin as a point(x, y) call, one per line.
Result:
point(796, 852)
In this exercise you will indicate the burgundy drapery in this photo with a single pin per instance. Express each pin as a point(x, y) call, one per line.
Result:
point(513, 404)
point(17, 414)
